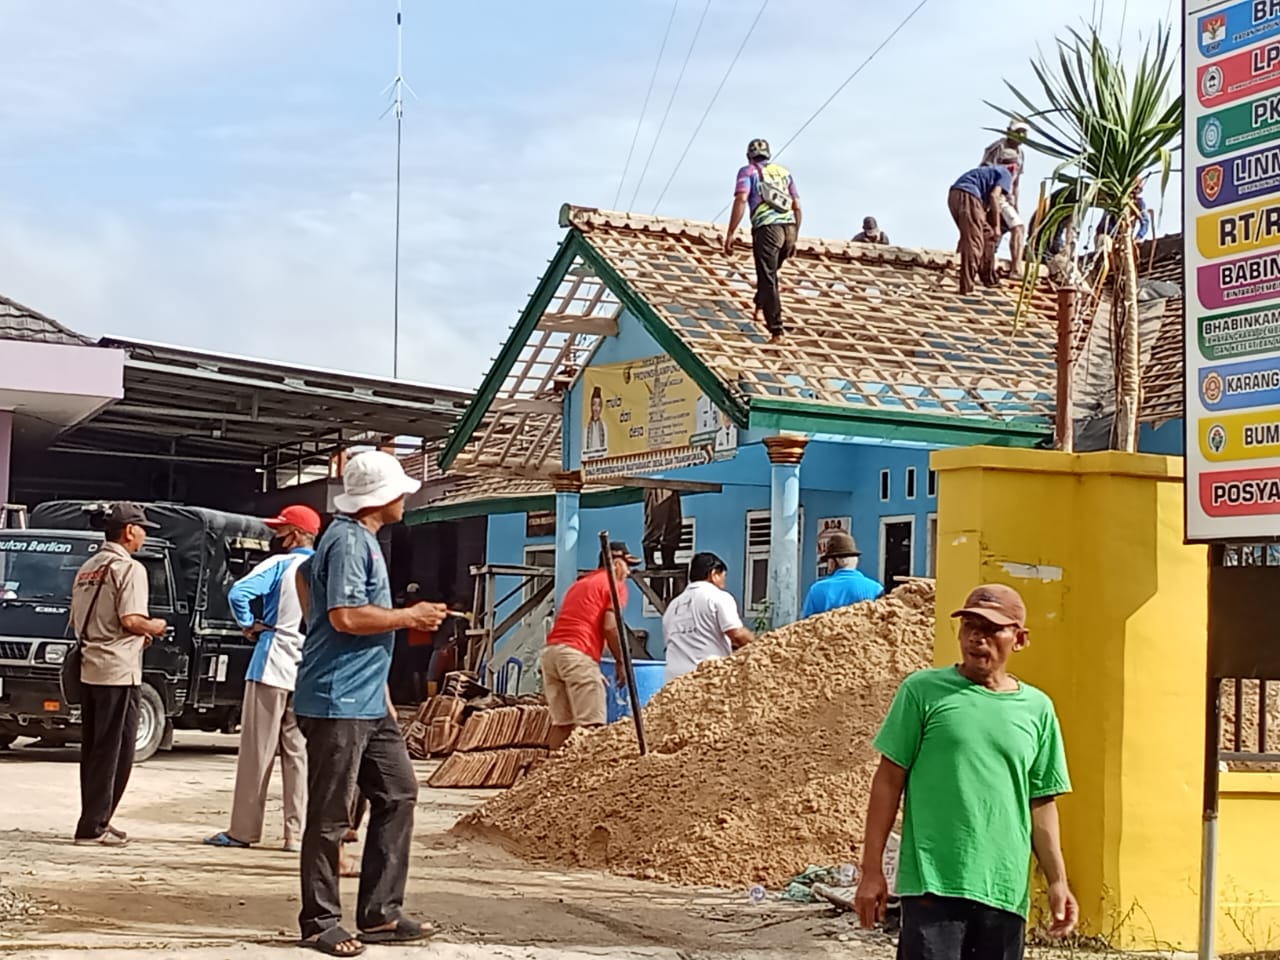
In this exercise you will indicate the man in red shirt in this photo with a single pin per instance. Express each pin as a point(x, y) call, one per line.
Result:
point(571, 676)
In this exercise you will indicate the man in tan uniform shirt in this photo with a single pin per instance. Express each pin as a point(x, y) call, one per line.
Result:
point(109, 612)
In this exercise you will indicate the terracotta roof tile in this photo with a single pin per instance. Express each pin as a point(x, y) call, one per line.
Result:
point(18, 322)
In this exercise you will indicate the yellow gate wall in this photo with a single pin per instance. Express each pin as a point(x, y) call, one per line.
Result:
point(1117, 607)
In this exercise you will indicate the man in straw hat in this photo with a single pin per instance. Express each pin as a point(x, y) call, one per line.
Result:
point(979, 755)
point(353, 739)
point(844, 584)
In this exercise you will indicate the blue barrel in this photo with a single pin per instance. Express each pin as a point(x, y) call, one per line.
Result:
point(649, 676)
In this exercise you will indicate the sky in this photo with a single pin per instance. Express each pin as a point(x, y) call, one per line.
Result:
point(219, 175)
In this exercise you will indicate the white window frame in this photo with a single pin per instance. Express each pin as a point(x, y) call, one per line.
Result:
point(931, 545)
point(886, 486)
point(762, 553)
point(683, 557)
point(530, 553)
point(909, 489)
point(884, 543)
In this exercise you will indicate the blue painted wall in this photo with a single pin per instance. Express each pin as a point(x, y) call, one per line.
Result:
point(1165, 439)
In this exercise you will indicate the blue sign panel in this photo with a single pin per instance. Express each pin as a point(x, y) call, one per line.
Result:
point(1246, 177)
point(1238, 26)
point(1236, 386)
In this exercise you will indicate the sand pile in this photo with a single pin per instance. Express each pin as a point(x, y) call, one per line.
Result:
point(758, 765)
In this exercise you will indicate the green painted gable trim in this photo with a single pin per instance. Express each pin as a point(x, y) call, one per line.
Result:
point(498, 505)
point(773, 413)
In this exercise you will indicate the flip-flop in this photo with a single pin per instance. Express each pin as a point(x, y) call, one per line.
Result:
point(328, 941)
point(405, 931)
point(225, 839)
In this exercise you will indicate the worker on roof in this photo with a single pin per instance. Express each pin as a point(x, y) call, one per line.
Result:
point(702, 623)
point(975, 201)
point(1008, 151)
point(769, 191)
point(585, 624)
point(871, 232)
point(844, 584)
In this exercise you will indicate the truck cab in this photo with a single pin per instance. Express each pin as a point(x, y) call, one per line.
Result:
point(192, 677)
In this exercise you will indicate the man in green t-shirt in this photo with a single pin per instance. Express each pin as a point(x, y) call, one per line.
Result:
point(980, 756)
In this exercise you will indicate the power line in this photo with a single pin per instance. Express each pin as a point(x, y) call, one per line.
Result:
point(397, 88)
point(849, 79)
point(676, 89)
point(715, 96)
point(645, 106)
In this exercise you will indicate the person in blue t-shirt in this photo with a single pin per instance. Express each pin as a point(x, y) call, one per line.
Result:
point(845, 584)
point(344, 710)
point(975, 201)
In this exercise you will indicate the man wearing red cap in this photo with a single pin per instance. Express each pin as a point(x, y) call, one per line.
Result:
point(267, 722)
point(980, 756)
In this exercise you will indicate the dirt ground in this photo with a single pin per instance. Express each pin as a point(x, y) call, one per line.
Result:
point(166, 894)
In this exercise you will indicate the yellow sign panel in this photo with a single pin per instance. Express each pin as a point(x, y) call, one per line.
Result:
point(648, 416)
point(1241, 436)
point(1239, 230)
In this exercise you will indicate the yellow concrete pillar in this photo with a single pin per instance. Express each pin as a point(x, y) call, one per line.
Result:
point(1117, 612)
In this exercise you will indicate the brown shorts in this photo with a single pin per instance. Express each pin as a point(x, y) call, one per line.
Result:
point(574, 686)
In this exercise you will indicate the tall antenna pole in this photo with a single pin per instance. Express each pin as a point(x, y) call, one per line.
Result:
point(396, 88)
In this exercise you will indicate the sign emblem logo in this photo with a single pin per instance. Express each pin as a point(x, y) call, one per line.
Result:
point(1213, 29)
point(1211, 179)
point(1212, 388)
point(1211, 82)
point(1211, 136)
point(1217, 438)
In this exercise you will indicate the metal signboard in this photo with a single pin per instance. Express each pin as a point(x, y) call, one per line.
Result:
point(1231, 240)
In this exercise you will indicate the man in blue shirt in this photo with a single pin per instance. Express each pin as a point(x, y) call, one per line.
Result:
point(845, 583)
point(343, 708)
point(975, 202)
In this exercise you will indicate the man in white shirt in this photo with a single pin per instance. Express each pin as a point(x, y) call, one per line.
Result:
point(703, 622)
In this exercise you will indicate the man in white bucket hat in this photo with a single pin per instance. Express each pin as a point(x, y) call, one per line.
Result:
point(353, 740)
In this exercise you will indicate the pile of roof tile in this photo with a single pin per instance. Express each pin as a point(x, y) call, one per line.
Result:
point(497, 741)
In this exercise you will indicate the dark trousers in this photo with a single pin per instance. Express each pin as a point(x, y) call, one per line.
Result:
point(108, 731)
point(948, 928)
point(344, 756)
point(978, 239)
point(771, 245)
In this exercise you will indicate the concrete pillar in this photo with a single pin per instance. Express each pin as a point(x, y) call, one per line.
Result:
point(785, 454)
point(568, 487)
point(6, 446)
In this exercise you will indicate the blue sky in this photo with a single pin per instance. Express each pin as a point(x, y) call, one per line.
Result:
point(217, 175)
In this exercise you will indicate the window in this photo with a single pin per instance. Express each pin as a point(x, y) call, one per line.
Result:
point(666, 587)
point(159, 596)
point(884, 485)
point(538, 557)
point(911, 483)
point(933, 483)
point(1251, 555)
point(896, 542)
point(931, 530)
point(755, 584)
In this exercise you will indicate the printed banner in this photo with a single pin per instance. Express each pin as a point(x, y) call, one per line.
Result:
point(1239, 230)
point(1235, 386)
point(1239, 26)
point(1241, 436)
point(1241, 493)
point(1247, 177)
point(1245, 125)
point(1225, 336)
point(1237, 282)
point(1244, 74)
point(648, 416)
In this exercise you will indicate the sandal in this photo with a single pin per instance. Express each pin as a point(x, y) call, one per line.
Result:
point(405, 931)
point(332, 941)
point(225, 839)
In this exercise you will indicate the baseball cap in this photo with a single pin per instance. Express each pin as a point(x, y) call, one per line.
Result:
point(618, 550)
point(296, 515)
point(125, 513)
point(373, 479)
point(839, 545)
point(1000, 604)
point(869, 223)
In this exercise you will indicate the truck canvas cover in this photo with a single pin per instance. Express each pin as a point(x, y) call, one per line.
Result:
point(211, 551)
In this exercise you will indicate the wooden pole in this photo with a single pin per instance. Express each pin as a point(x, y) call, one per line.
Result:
point(623, 647)
point(1064, 429)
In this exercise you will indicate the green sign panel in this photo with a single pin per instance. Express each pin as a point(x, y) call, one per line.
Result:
point(1243, 334)
point(1244, 125)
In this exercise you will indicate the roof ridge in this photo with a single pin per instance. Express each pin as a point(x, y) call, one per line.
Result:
point(45, 318)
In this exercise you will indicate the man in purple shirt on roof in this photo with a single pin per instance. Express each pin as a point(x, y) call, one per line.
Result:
point(975, 201)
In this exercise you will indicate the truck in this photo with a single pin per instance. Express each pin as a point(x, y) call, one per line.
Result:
point(192, 678)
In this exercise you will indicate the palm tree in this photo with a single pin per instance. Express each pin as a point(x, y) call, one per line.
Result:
point(1109, 130)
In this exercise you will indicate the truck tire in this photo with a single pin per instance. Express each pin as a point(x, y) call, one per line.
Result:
point(151, 724)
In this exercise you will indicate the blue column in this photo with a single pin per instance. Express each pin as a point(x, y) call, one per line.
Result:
point(568, 495)
point(785, 454)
